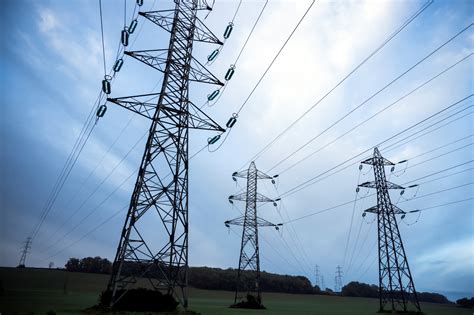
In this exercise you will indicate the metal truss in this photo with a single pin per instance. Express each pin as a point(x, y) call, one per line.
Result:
point(396, 288)
point(154, 239)
point(249, 260)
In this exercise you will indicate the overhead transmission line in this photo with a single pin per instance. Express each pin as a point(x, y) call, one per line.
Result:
point(362, 122)
point(383, 44)
point(367, 196)
point(306, 182)
point(381, 90)
point(78, 146)
point(235, 115)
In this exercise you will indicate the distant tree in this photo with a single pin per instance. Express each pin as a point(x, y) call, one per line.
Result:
point(72, 265)
point(466, 302)
point(51, 265)
point(89, 264)
point(358, 289)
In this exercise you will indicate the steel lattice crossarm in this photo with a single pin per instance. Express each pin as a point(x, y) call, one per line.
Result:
point(396, 288)
point(240, 221)
point(154, 239)
point(165, 20)
point(157, 59)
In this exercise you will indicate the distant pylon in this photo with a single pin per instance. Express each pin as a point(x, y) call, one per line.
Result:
point(323, 286)
point(316, 276)
point(338, 280)
point(396, 287)
point(249, 251)
point(24, 252)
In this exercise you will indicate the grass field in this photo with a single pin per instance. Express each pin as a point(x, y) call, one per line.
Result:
point(38, 291)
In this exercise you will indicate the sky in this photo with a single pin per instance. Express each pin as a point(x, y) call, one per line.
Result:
point(52, 66)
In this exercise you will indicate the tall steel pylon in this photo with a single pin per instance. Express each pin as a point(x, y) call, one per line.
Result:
point(338, 279)
point(316, 276)
point(396, 287)
point(158, 250)
point(24, 252)
point(249, 259)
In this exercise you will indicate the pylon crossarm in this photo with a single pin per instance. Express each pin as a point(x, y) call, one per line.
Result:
point(236, 221)
point(200, 120)
point(263, 222)
point(164, 19)
point(140, 104)
point(377, 161)
point(262, 175)
point(373, 184)
point(262, 198)
point(241, 174)
point(157, 59)
point(240, 197)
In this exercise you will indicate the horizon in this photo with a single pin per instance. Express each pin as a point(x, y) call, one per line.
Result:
point(52, 74)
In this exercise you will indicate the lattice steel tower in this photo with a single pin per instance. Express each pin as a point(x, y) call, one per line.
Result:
point(249, 260)
point(338, 280)
point(24, 252)
point(396, 288)
point(160, 197)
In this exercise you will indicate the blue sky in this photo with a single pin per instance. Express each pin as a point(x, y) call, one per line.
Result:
point(51, 63)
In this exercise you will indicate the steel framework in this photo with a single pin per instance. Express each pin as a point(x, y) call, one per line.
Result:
point(160, 196)
point(338, 279)
point(249, 259)
point(396, 287)
point(24, 252)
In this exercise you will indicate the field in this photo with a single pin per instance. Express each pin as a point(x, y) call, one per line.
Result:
point(41, 290)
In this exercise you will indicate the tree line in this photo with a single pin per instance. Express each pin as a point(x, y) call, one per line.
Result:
point(225, 279)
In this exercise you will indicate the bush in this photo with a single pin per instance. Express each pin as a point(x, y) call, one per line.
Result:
point(139, 300)
point(251, 302)
point(466, 302)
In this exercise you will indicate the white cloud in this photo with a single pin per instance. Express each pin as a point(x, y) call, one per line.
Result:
point(47, 20)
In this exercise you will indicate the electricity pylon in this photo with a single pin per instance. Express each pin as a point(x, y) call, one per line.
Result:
point(160, 198)
point(338, 280)
point(24, 252)
point(316, 276)
point(396, 287)
point(249, 260)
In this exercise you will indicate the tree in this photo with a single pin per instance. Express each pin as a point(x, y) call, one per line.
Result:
point(466, 302)
point(72, 265)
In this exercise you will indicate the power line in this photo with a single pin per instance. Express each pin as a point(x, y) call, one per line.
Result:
point(308, 182)
point(359, 124)
point(385, 42)
point(276, 56)
point(361, 198)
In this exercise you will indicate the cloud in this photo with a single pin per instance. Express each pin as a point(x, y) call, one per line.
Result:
point(47, 20)
point(448, 258)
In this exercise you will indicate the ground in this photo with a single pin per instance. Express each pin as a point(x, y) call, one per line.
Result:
point(38, 291)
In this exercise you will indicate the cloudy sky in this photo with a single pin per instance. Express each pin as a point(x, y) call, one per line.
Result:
point(52, 66)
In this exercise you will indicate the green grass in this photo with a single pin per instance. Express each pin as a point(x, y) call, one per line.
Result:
point(40, 290)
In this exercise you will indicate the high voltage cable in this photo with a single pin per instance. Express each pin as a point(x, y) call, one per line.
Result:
point(374, 95)
point(290, 191)
point(264, 73)
point(385, 42)
point(446, 204)
point(98, 186)
point(457, 149)
point(356, 162)
point(361, 198)
point(90, 232)
point(275, 58)
point(251, 32)
point(102, 33)
point(74, 154)
point(109, 196)
point(359, 124)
